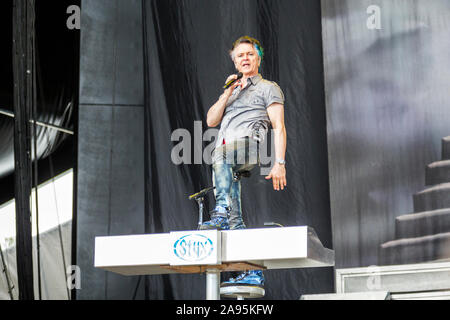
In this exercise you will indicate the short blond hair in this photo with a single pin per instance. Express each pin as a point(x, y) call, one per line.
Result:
point(250, 40)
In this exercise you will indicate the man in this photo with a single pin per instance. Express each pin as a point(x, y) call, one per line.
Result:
point(245, 112)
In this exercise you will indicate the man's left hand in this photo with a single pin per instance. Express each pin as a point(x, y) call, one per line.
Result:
point(278, 176)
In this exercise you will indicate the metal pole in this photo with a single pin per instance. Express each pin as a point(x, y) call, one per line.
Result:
point(39, 123)
point(24, 82)
point(212, 284)
point(200, 212)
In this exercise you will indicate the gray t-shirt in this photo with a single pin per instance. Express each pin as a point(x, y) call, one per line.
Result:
point(246, 111)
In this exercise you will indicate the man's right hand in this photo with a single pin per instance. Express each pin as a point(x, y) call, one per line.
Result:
point(215, 113)
point(231, 88)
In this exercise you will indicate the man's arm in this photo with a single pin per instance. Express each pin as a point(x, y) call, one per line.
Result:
point(278, 172)
point(215, 113)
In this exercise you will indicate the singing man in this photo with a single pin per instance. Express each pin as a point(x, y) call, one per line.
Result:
point(246, 110)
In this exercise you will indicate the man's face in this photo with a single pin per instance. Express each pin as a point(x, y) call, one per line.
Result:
point(246, 59)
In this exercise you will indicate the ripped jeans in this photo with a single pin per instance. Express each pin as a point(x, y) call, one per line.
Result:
point(238, 155)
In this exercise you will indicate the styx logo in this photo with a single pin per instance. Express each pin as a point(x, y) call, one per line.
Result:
point(193, 247)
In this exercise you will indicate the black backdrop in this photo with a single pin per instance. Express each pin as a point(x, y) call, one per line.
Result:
point(383, 125)
point(186, 60)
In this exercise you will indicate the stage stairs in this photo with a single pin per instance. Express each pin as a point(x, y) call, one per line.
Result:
point(424, 235)
point(416, 264)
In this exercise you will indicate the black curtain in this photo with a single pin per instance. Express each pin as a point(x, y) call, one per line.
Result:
point(186, 61)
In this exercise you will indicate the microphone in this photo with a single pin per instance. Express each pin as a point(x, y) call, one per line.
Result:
point(229, 83)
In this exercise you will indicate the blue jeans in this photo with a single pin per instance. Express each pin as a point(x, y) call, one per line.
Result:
point(239, 155)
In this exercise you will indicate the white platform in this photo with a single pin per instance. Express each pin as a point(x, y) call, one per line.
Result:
point(265, 248)
point(375, 295)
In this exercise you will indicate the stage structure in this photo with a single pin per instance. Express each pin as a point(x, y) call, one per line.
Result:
point(149, 68)
point(212, 252)
point(421, 281)
point(146, 71)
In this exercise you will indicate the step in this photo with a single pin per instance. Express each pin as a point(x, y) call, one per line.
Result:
point(437, 172)
point(380, 295)
point(422, 224)
point(432, 295)
point(415, 250)
point(433, 198)
point(446, 148)
point(368, 295)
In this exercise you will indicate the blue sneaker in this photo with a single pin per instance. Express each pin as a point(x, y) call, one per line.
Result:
point(219, 220)
point(252, 278)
